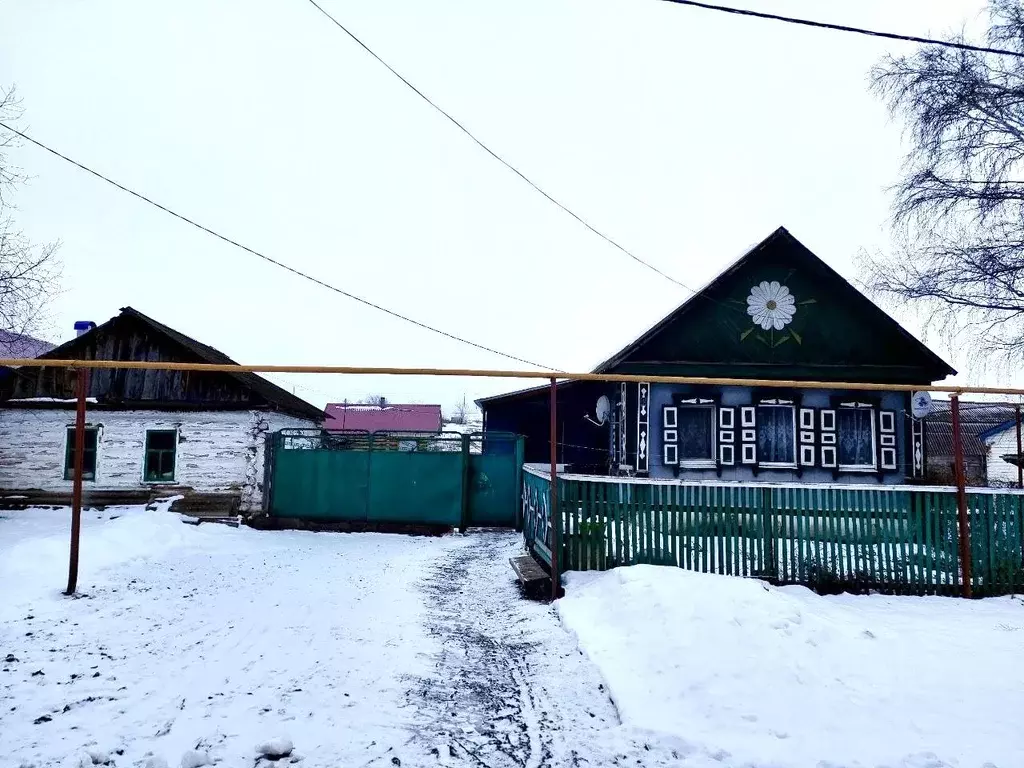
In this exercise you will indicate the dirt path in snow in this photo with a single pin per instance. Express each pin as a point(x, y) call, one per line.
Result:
point(510, 686)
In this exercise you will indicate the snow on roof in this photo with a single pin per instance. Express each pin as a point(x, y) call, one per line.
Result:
point(393, 417)
point(19, 345)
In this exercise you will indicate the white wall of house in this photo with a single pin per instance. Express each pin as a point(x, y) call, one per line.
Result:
point(217, 451)
point(1001, 472)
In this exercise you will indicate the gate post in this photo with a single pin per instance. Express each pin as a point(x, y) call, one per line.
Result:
point(961, 497)
point(520, 449)
point(1020, 464)
point(556, 516)
point(76, 493)
point(464, 521)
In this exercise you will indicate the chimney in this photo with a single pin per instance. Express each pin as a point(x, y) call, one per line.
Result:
point(83, 327)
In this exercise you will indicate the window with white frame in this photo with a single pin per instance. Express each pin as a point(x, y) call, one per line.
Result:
point(776, 435)
point(696, 430)
point(856, 438)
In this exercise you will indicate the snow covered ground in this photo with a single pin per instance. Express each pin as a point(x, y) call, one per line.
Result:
point(203, 643)
point(759, 676)
point(207, 639)
point(194, 644)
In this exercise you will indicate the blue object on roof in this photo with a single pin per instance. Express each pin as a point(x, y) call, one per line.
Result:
point(993, 431)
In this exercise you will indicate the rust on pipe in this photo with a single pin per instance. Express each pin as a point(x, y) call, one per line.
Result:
point(961, 497)
point(76, 493)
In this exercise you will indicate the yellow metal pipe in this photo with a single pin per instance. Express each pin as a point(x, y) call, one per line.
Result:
point(498, 374)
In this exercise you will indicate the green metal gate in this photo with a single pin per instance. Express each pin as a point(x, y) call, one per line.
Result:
point(445, 479)
point(495, 479)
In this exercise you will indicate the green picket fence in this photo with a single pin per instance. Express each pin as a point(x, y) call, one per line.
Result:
point(891, 538)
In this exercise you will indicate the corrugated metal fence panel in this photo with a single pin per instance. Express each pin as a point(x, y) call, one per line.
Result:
point(401, 478)
point(495, 467)
point(902, 539)
point(408, 487)
point(321, 485)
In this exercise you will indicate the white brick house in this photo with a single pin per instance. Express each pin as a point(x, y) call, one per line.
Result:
point(147, 432)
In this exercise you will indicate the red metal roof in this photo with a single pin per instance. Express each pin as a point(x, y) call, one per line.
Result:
point(393, 417)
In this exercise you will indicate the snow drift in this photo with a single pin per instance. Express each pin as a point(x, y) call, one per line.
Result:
point(34, 545)
point(784, 677)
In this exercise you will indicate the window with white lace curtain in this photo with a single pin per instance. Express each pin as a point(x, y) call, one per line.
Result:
point(776, 435)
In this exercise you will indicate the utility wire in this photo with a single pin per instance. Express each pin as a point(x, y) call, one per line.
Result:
point(273, 261)
point(536, 187)
point(845, 28)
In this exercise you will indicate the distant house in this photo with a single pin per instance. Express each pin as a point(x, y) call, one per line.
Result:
point(779, 312)
point(147, 431)
point(389, 417)
point(976, 421)
point(20, 345)
point(1004, 458)
point(17, 345)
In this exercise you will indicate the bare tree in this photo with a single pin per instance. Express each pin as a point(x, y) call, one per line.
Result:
point(379, 400)
point(459, 414)
point(960, 204)
point(28, 272)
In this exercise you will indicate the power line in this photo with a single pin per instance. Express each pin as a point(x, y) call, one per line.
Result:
point(273, 261)
point(845, 28)
point(536, 187)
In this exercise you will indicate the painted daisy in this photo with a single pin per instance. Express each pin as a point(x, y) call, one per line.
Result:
point(771, 305)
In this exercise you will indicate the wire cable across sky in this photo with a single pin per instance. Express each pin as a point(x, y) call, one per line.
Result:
point(536, 187)
point(693, 3)
point(269, 259)
point(844, 28)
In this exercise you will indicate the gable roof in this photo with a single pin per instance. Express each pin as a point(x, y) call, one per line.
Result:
point(274, 395)
point(998, 429)
point(905, 358)
point(393, 417)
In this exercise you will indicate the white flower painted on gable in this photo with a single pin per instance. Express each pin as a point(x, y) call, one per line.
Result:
point(771, 305)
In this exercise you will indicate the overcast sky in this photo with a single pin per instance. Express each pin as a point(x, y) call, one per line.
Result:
point(684, 134)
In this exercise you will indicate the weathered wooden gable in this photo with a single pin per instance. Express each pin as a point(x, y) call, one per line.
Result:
point(781, 312)
point(134, 336)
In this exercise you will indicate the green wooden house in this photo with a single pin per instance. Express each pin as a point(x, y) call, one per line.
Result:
point(779, 313)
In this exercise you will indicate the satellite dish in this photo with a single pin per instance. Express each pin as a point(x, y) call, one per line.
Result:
point(603, 409)
point(920, 404)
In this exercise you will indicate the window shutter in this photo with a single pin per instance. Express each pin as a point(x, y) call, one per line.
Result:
point(887, 439)
point(748, 434)
point(829, 447)
point(917, 447)
point(807, 437)
point(623, 456)
point(727, 436)
point(642, 427)
point(670, 436)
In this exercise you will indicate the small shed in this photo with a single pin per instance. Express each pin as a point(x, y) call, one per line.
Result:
point(979, 425)
point(1003, 459)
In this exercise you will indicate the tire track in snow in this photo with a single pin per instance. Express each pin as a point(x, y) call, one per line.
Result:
point(510, 688)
